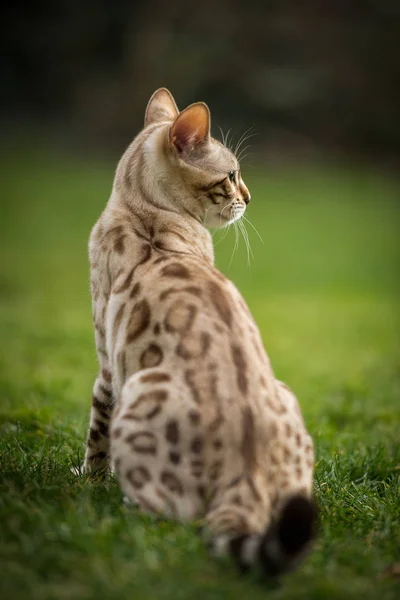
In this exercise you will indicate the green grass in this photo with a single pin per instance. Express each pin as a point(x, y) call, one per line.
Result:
point(324, 288)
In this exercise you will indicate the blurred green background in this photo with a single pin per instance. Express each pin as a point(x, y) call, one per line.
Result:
point(318, 83)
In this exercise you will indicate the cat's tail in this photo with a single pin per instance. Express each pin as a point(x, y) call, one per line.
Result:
point(281, 547)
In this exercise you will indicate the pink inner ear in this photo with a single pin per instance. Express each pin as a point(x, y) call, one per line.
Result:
point(191, 128)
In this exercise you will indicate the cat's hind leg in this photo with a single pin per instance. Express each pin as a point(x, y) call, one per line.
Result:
point(149, 445)
point(98, 442)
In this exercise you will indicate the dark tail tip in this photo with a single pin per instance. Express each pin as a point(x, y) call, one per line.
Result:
point(282, 546)
point(288, 540)
point(297, 524)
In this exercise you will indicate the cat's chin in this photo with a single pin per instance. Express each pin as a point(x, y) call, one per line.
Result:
point(220, 221)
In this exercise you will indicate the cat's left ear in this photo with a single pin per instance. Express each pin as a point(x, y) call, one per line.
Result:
point(161, 107)
point(191, 128)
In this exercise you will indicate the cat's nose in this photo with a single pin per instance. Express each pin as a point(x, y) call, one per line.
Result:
point(246, 198)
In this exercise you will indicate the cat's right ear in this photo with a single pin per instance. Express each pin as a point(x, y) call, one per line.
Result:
point(192, 128)
point(161, 107)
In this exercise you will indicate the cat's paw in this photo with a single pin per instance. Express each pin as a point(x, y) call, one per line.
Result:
point(78, 469)
point(129, 502)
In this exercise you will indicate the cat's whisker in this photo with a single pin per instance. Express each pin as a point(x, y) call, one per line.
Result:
point(222, 135)
point(246, 241)
point(242, 158)
point(229, 141)
point(226, 143)
point(221, 214)
point(241, 153)
point(252, 226)
point(243, 138)
point(225, 233)
point(240, 140)
point(236, 245)
point(205, 216)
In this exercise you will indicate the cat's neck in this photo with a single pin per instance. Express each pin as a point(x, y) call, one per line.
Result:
point(166, 230)
point(152, 197)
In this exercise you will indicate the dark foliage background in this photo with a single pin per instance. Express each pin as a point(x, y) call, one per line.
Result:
point(310, 76)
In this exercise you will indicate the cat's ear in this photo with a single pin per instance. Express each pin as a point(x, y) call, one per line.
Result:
point(161, 107)
point(191, 128)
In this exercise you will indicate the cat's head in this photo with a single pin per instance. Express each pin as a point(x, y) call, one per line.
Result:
point(210, 173)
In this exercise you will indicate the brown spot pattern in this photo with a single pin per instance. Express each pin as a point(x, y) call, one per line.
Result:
point(107, 392)
point(194, 417)
point(119, 245)
point(190, 289)
point(215, 469)
point(169, 503)
point(94, 435)
point(117, 320)
point(106, 375)
point(287, 455)
point(145, 504)
point(241, 368)
point(174, 457)
point(189, 379)
point(180, 317)
point(193, 346)
point(276, 405)
point(197, 445)
point(160, 259)
point(220, 302)
point(143, 442)
point(218, 419)
point(197, 468)
point(103, 408)
point(102, 427)
point(138, 321)
point(171, 482)
point(237, 499)
point(126, 283)
point(248, 440)
point(121, 365)
point(138, 476)
point(274, 459)
point(117, 432)
point(155, 378)
point(273, 430)
point(151, 357)
point(135, 290)
point(172, 431)
point(201, 490)
point(175, 270)
point(146, 406)
point(288, 430)
point(145, 252)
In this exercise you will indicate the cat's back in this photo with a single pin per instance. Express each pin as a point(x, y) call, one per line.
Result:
point(179, 310)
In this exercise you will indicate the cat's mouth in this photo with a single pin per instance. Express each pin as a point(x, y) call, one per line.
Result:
point(233, 214)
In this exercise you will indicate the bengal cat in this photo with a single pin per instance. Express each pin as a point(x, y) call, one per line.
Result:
point(186, 406)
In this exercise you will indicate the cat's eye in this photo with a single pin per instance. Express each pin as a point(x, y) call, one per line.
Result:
point(231, 176)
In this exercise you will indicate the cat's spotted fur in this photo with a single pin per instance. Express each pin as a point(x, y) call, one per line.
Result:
point(186, 404)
